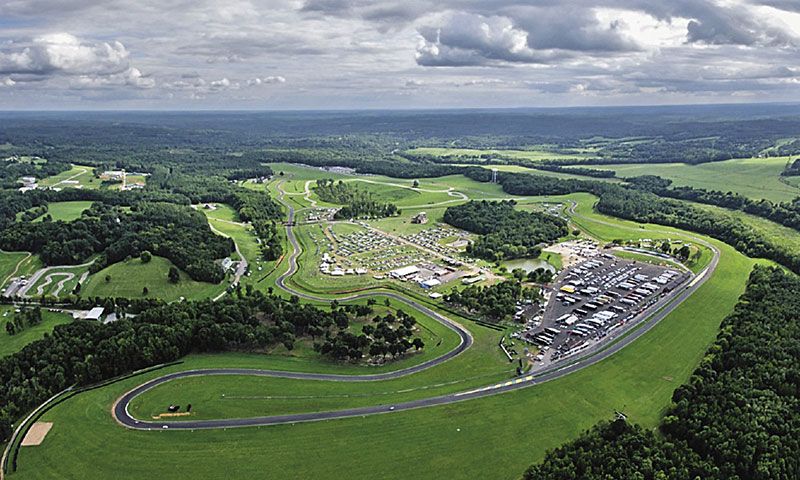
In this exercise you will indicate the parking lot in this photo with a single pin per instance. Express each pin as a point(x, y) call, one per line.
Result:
point(594, 300)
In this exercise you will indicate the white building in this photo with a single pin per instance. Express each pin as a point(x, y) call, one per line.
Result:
point(404, 272)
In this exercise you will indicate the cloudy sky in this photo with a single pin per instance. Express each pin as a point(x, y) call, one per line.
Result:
point(277, 54)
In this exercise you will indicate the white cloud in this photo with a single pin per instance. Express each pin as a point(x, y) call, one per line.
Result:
point(266, 80)
point(63, 53)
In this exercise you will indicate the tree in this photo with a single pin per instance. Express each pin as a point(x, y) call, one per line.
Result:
point(10, 328)
point(145, 291)
point(174, 275)
point(146, 256)
point(108, 278)
point(415, 184)
point(77, 289)
point(418, 344)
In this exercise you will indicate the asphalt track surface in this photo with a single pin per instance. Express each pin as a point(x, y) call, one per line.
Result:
point(120, 408)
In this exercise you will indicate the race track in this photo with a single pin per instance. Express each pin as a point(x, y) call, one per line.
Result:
point(602, 351)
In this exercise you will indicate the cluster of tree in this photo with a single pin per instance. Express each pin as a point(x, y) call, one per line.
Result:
point(738, 417)
point(27, 317)
point(505, 232)
point(33, 213)
point(792, 169)
point(539, 275)
point(86, 352)
point(493, 302)
point(358, 203)
point(390, 335)
point(583, 171)
point(176, 232)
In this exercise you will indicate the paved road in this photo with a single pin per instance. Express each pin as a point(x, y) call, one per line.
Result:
point(120, 408)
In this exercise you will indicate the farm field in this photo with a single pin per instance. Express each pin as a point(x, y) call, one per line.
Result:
point(128, 278)
point(13, 343)
point(757, 178)
point(640, 378)
point(76, 177)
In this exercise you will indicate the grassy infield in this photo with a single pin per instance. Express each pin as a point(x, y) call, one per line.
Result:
point(495, 437)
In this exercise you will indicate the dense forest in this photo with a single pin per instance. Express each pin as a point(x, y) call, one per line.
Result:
point(358, 203)
point(492, 303)
point(172, 231)
point(738, 416)
point(504, 232)
point(85, 352)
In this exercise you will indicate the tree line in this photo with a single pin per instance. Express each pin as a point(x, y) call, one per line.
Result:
point(504, 232)
point(738, 416)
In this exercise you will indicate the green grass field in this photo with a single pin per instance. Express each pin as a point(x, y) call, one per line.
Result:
point(77, 177)
point(65, 211)
point(494, 437)
point(13, 343)
point(757, 178)
point(128, 278)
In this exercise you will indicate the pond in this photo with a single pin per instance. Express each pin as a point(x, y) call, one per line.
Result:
point(528, 264)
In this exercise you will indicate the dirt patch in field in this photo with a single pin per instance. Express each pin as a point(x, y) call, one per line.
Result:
point(36, 434)
point(167, 415)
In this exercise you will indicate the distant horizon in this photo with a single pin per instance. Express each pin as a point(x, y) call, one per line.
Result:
point(408, 109)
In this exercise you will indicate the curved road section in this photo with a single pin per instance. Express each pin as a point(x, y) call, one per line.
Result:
point(122, 415)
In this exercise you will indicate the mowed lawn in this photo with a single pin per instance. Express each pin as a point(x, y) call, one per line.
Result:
point(495, 437)
point(66, 211)
point(13, 343)
point(128, 278)
point(757, 178)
